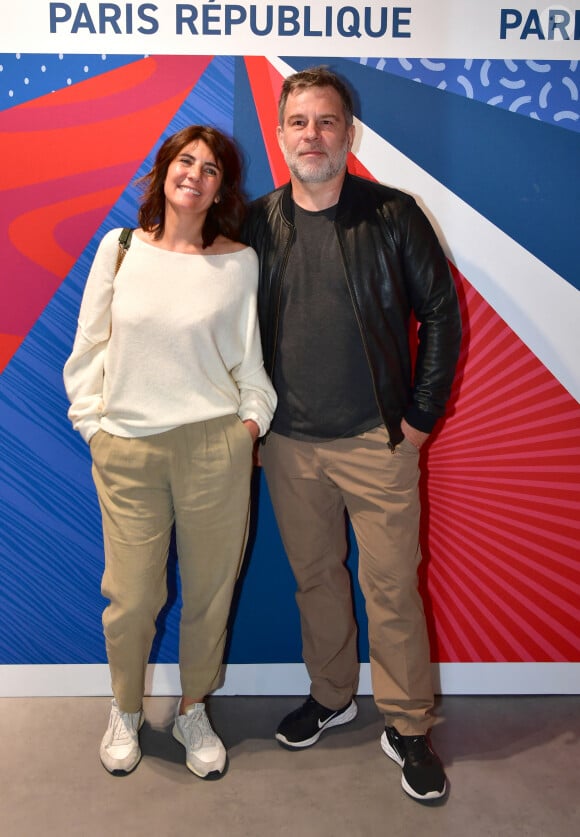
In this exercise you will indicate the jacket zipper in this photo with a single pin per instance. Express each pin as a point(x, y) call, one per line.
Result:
point(279, 299)
point(354, 303)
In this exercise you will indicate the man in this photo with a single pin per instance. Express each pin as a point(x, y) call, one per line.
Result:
point(344, 262)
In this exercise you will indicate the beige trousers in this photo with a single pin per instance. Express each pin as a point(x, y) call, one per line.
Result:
point(311, 485)
point(196, 478)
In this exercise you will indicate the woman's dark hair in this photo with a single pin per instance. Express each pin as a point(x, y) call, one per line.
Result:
point(223, 218)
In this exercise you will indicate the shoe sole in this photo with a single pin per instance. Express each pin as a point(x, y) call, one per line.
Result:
point(345, 717)
point(209, 775)
point(394, 755)
point(119, 772)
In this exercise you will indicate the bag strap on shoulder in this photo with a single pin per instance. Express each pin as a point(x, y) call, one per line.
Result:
point(124, 244)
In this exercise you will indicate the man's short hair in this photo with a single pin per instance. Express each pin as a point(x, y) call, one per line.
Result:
point(315, 77)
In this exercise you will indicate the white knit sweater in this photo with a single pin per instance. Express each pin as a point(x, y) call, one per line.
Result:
point(171, 340)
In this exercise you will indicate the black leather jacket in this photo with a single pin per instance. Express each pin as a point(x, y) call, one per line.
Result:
point(394, 266)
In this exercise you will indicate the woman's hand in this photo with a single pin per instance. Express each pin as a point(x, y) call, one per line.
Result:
point(253, 429)
point(254, 432)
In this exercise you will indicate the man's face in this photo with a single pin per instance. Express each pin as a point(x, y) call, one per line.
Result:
point(314, 137)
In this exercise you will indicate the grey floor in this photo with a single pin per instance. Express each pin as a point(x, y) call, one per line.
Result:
point(513, 766)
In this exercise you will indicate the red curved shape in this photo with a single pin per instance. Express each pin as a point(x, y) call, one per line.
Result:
point(72, 153)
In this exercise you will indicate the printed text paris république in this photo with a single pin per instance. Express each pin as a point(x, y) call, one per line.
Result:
point(225, 19)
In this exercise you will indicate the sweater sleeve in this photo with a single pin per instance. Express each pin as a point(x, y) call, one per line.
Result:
point(257, 396)
point(83, 372)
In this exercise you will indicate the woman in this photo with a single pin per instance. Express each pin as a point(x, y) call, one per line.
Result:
point(167, 385)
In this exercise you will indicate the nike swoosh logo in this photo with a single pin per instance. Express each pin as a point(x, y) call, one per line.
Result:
point(323, 723)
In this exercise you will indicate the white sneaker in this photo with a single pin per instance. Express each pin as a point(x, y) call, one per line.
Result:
point(120, 752)
point(205, 755)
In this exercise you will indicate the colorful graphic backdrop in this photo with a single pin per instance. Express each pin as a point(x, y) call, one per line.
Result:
point(492, 149)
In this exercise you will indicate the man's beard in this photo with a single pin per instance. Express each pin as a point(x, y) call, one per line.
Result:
point(315, 171)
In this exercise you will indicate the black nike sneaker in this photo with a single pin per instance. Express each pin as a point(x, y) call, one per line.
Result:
point(305, 725)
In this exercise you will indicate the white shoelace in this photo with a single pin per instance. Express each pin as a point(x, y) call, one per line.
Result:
point(198, 729)
point(124, 727)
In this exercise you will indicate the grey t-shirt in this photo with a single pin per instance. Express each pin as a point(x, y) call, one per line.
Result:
point(321, 372)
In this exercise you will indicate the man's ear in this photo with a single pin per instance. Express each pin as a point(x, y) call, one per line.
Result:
point(351, 136)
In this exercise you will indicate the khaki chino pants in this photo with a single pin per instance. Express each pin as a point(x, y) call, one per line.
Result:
point(311, 485)
point(196, 477)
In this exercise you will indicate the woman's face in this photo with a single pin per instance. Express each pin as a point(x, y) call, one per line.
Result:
point(193, 179)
